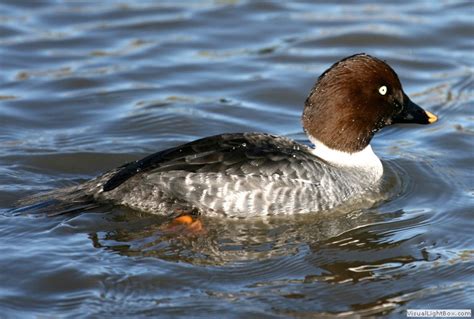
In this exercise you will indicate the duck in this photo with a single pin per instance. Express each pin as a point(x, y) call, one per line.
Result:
point(260, 174)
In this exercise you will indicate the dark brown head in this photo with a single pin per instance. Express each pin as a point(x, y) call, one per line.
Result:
point(355, 98)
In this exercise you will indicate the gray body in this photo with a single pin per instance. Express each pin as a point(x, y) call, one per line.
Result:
point(237, 175)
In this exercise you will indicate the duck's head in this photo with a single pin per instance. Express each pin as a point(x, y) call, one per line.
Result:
point(354, 99)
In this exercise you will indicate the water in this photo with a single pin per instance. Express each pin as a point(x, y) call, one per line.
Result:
point(87, 86)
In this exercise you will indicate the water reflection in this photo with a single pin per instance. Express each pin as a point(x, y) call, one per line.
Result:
point(114, 82)
point(226, 240)
point(290, 257)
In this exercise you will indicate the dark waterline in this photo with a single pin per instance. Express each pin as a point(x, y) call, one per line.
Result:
point(86, 87)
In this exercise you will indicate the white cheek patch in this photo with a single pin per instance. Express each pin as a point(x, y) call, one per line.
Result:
point(383, 90)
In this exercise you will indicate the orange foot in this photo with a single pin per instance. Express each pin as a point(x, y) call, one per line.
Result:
point(185, 225)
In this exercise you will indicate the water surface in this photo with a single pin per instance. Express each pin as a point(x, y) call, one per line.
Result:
point(87, 86)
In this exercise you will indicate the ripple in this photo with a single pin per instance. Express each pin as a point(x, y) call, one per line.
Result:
point(89, 86)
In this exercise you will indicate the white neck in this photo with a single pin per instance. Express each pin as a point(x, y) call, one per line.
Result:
point(365, 159)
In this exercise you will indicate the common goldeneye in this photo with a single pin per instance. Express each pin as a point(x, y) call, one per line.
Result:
point(249, 174)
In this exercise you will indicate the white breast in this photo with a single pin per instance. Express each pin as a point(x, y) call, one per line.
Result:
point(365, 159)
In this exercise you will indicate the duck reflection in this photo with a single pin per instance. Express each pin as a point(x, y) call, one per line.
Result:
point(229, 241)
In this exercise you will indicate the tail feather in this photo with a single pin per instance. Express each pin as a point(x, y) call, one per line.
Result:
point(54, 203)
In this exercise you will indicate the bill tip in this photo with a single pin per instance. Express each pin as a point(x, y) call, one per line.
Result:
point(431, 117)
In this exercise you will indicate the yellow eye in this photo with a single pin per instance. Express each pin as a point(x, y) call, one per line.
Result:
point(383, 90)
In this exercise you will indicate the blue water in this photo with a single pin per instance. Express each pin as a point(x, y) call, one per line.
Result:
point(88, 86)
